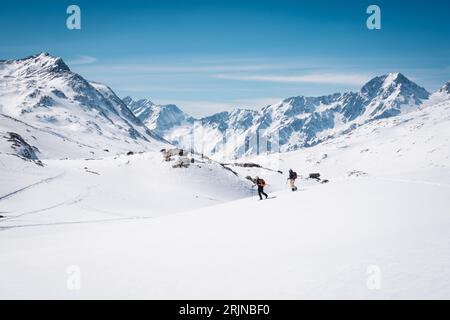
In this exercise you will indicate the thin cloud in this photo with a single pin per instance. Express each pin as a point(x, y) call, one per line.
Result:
point(81, 60)
point(142, 68)
point(325, 78)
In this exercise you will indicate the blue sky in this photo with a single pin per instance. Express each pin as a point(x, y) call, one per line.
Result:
point(207, 56)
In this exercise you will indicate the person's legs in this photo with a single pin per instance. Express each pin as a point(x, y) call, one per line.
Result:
point(265, 194)
point(260, 191)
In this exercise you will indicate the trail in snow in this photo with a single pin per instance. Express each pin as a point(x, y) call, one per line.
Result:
point(47, 180)
point(58, 205)
point(70, 223)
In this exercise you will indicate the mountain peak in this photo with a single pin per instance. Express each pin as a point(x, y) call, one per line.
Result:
point(396, 77)
point(446, 88)
point(145, 102)
point(43, 56)
point(390, 82)
point(386, 80)
point(127, 100)
point(42, 62)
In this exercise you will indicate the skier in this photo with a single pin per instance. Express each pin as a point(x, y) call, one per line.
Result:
point(261, 184)
point(291, 179)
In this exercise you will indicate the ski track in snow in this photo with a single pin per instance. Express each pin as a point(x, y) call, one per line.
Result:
point(47, 180)
point(61, 204)
point(62, 223)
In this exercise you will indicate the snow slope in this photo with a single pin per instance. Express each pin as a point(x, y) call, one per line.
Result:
point(295, 246)
point(385, 207)
point(120, 187)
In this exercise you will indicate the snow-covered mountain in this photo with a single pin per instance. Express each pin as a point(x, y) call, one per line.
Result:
point(49, 111)
point(60, 114)
point(299, 121)
point(160, 118)
point(305, 121)
point(445, 89)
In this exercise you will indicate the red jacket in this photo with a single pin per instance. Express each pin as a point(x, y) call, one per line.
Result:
point(260, 182)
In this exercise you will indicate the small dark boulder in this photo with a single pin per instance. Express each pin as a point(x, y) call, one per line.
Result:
point(248, 165)
point(314, 176)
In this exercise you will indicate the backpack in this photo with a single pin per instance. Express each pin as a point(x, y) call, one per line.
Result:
point(294, 175)
point(261, 182)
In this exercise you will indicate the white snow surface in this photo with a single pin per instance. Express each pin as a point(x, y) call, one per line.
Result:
point(142, 229)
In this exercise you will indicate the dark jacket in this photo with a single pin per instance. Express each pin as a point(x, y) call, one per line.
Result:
point(292, 175)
